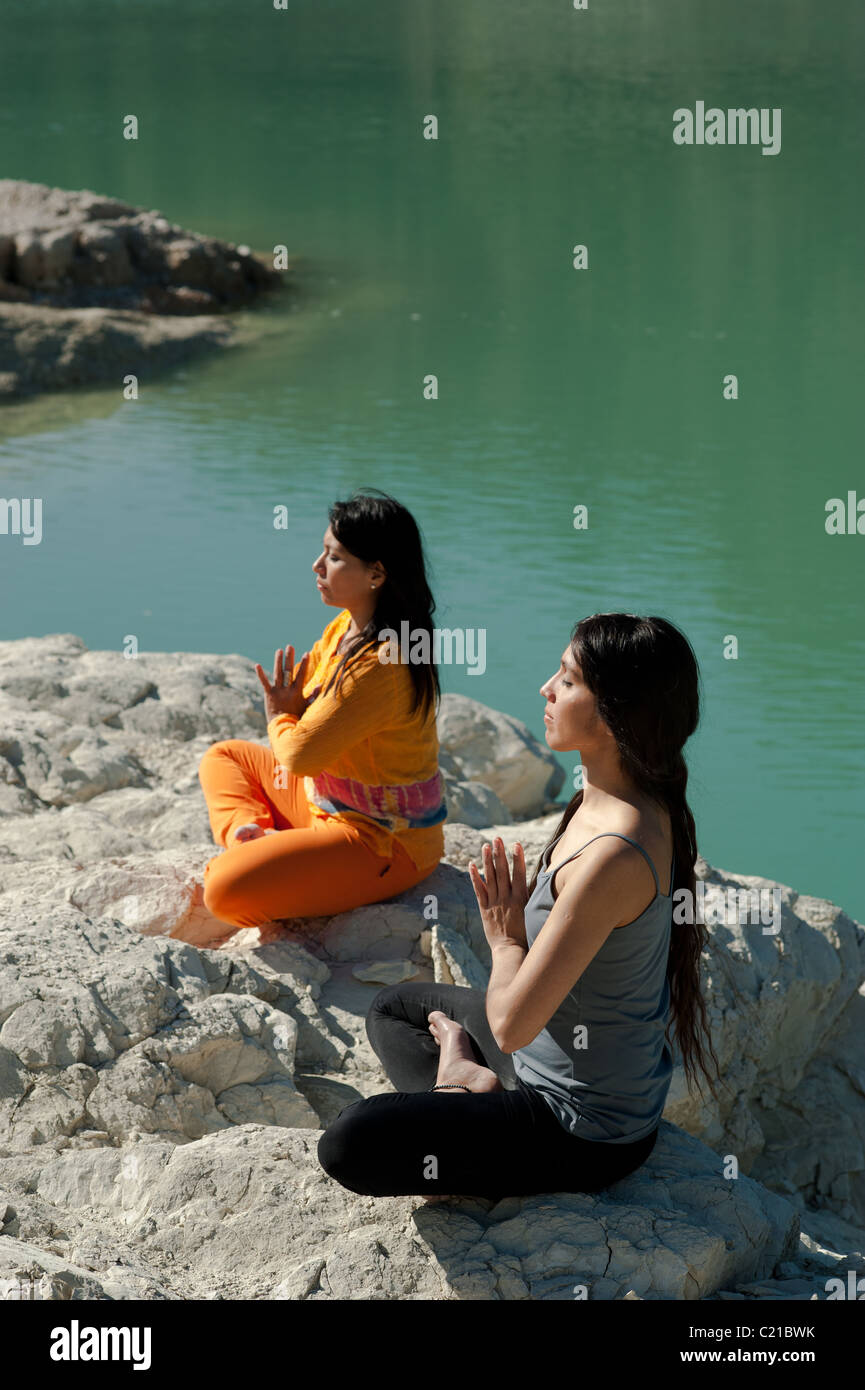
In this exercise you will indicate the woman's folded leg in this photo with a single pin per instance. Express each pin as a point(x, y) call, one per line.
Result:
point(313, 872)
point(243, 784)
point(423, 1144)
point(490, 1144)
point(397, 1026)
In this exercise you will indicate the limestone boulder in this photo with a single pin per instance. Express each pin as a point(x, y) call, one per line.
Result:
point(164, 1080)
point(248, 1213)
point(105, 1032)
point(500, 752)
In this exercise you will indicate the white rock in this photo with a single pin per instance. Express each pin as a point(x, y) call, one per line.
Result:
point(27, 1273)
point(501, 752)
point(454, 961)
point(472, 803)
point(384, 972)
point(247, 1206)
point(122, 1042)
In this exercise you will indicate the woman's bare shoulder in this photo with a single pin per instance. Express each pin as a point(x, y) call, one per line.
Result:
point(600, 844)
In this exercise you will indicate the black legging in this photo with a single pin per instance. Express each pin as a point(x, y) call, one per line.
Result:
point(489, 1144)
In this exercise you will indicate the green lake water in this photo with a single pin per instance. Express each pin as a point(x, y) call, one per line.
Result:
point(557, 387)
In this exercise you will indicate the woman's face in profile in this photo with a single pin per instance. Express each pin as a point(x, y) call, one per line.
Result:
point(342, 579)
point(571, 718)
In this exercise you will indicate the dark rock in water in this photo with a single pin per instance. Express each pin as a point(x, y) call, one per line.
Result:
point(78, 250)
point(92, 288)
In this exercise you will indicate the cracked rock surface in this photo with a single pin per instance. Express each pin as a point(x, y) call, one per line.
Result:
point(161, 1101)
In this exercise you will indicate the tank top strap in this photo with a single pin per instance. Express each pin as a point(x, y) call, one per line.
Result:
point(620, 837)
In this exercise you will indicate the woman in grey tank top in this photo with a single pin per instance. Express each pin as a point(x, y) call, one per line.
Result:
point(555, 1077)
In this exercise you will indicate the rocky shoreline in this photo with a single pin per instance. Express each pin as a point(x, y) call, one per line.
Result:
point(161, 1100)
point(92, 288)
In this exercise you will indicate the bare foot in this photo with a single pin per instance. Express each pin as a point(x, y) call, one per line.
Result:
point(457, 1065)
point(251, 832)
point(248, 832)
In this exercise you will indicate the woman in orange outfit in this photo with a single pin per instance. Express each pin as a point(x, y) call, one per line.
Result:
point(346, 805)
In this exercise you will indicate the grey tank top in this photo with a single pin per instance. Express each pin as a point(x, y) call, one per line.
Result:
point(607, 1079)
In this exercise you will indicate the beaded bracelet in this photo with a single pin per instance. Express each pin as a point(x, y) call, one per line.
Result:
point(452, 1086)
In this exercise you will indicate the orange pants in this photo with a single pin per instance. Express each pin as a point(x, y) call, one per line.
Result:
point(313, 868)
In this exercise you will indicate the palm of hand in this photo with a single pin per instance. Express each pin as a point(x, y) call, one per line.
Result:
point(284, 695)
point(502, 897)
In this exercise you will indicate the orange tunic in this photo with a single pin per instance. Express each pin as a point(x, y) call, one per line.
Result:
point(367, 757)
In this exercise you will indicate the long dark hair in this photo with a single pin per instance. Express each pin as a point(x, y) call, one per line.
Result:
point(374, 526)
point(645, 679)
